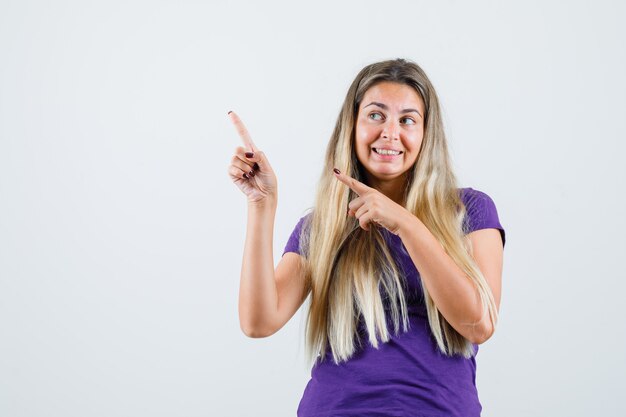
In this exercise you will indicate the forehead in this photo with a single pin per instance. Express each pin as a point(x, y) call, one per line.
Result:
point(394, 95)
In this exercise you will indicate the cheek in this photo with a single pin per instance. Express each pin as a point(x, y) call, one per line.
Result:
point(359, 133)
point(416, 141)
point(365, 135)
point(361, 138)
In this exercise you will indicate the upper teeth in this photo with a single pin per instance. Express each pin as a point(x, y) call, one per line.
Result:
point(386, 152)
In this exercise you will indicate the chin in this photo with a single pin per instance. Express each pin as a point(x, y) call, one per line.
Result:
point(386, 175)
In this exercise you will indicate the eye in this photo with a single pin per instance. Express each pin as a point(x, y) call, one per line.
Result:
point(375, 116)
point(407, 121)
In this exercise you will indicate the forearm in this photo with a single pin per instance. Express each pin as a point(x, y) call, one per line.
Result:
point(257, 291)
point(454, 294)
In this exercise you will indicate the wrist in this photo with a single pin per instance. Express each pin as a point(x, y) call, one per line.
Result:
point(408, 225)
point(268, 202)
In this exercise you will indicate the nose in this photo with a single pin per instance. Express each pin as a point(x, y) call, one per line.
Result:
point(391, 130)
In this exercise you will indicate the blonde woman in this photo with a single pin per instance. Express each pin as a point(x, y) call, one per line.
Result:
point(402, 267)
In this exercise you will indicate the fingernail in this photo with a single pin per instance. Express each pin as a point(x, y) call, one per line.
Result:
point(255, 166)
point(336, 171)
point(251, 173)
point(246, 176)
point(230, 112)
point(249, 154)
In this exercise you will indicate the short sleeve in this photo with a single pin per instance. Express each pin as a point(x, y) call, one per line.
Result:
point(293, 243)
point(481, 212)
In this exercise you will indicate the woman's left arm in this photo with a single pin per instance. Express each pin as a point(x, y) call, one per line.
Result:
point(452, 291)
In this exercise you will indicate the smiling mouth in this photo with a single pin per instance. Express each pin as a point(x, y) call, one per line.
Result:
point(386, 152)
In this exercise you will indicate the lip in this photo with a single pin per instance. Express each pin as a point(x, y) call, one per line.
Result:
point(389, 149)
point(387, 157)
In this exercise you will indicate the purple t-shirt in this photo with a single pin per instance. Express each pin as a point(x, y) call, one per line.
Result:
point(408, 375)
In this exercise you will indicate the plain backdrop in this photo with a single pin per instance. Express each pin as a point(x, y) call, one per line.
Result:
point(121, 234)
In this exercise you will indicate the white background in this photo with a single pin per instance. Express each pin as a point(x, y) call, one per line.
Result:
point(121, 234)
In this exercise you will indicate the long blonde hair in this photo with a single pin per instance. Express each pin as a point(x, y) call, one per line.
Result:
point(347, 268)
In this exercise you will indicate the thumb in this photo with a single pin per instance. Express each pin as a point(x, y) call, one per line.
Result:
point(260, 160)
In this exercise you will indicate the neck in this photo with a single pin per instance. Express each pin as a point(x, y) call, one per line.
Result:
point(394, 189)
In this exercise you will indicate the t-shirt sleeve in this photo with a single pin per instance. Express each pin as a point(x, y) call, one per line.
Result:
point(481, 212)
point(293, 243)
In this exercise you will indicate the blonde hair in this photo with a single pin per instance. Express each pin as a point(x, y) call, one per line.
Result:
point(349, 270)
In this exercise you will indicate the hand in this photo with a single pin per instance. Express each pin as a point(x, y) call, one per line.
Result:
point(253, 175)
point(372, 206)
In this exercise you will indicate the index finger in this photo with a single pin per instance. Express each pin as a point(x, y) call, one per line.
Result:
point(242, 131)
point(354, 184)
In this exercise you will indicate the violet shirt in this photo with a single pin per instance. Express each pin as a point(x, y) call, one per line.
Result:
point(408, 375)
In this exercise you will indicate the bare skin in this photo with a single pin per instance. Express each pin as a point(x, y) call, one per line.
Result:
point(268, 297)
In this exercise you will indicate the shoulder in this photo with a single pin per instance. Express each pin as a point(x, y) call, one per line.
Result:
point(294, 241)
point(305, 220)
point(471, 195)
point(476, 200)
point(481, 211)
point(302, 223)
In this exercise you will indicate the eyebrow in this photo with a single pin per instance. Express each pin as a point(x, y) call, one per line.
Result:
point(385, 107)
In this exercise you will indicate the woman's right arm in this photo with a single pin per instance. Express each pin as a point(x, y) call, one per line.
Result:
point(267, 298)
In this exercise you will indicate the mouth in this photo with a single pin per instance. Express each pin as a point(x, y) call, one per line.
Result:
point(386, 152)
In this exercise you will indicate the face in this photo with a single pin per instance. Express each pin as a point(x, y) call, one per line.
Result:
point(390, 117)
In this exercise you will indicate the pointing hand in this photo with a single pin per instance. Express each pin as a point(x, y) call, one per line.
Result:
point(249, 169)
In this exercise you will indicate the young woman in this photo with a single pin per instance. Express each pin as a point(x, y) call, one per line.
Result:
point(403, 268)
